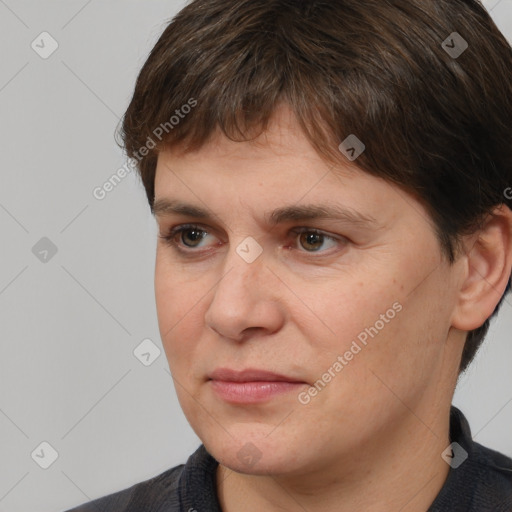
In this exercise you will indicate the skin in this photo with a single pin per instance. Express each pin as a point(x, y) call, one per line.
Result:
point(372, 438)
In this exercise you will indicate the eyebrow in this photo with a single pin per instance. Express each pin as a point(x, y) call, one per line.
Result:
point(163, 207)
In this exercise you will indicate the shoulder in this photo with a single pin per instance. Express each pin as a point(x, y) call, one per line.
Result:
point(488, 474)
point(482, 479)
point(158, 492)
point(492, 478)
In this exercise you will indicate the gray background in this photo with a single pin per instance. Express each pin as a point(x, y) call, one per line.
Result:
point(70, 323)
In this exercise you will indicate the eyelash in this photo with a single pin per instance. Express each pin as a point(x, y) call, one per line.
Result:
point(169, 239)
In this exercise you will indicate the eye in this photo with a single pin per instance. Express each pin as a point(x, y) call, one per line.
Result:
point(313, 239)
point(190, 236)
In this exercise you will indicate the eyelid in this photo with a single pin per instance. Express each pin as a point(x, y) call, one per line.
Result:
point(298, 229)
point(173, 232)
point(178, 229)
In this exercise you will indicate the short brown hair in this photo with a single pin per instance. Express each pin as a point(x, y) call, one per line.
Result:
point(434, 123)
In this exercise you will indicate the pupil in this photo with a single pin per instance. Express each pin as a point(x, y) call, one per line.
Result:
point(313, 239)
point(196, 235)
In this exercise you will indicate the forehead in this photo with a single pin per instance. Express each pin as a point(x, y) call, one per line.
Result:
point(271, 193)
point(270, 170)
point(283, 137)
point(277, 172)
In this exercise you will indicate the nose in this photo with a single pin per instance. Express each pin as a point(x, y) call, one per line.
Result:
point(246, 300)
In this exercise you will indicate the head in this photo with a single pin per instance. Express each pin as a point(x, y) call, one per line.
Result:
point(243, 108)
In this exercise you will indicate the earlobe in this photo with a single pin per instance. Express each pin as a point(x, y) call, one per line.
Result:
point(488, 263)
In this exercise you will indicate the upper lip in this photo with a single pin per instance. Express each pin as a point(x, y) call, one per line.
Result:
point(249, 375)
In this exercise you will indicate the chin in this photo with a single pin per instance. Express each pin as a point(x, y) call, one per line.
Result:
point(253, 455)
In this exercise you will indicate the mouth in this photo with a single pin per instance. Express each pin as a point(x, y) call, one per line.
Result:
point(251, 385)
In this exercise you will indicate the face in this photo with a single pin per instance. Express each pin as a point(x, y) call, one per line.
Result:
point(351, 309)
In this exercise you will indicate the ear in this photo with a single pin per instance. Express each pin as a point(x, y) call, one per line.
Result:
point(487, 268)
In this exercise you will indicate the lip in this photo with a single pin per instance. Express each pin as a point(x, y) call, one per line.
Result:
point(249, 375)
point(251, 385)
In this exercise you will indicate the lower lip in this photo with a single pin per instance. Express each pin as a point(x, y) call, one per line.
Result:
point(252, 392)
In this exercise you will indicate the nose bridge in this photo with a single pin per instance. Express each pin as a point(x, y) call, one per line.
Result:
point(244, 266)
point(242, 298)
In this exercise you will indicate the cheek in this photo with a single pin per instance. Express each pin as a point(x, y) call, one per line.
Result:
point(175, 292)
point(347, 309)
point(177, 307)
point(375, 325)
